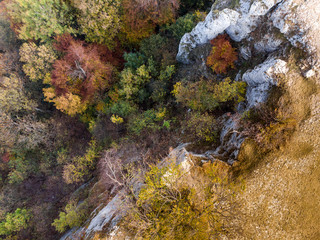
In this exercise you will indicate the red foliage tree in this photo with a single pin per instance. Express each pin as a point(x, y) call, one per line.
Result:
point(81, 70)
point(222, 55)
point(142, 16)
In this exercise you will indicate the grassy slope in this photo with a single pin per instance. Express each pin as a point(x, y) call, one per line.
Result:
point(282, 196)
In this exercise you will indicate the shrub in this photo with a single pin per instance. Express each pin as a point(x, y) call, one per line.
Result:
point(153, 46)
point(201, 128)
point(13, 97)
point(149, 120)
point(19, 170)
point(122, 109)
point(160, 87)
point(208, 95)
point(184, 24)
point(7, 36)
point(40, 20)
point(134, 60)
point(222, 55)
point(14, 222)
point(187, 5)
point(132, 83)
point(80, 167)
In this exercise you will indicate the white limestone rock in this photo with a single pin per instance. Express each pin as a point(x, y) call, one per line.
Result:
point(269, 43)
point(237, 23)
point(299, 21)
point(261, 78)
point(214, 24)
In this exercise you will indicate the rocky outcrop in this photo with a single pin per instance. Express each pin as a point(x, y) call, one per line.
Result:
point(237, 22)
point(261, 78)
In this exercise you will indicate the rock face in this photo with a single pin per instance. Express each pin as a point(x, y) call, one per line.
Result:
point(258, 26)
point(264, 27)
point(261, 78)
point(238, 23)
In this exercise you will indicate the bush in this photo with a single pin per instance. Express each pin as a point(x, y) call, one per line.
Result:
point(187, 5)
point(201, 128)
point(80, 167)
point(184, 24)
point(14, 222)
point(122, 109)
point(208, 95)
point(7, 36)
point(149, 120)
point(222, 55)
point(153, 47)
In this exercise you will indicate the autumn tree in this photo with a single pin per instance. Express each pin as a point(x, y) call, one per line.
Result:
point(142, 16)
point(13, 97)
point(40, 20)
point(99, 20)
point(37, 59)
point(222, 55)
point(15, 221)
point(208, 95)
point(79, 78)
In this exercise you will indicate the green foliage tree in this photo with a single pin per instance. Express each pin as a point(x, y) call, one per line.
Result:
point(81, 166)
point(37, 60)
point(173, 206)
point(14, 222)
point(200, 127)
point(208, 95)
point(13, 97)
point(148, 120)
point(73, 216)
point(41, 20)
point(99, 20)
point(184, 24)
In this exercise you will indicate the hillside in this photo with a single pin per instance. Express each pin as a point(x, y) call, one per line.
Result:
point(131, 119)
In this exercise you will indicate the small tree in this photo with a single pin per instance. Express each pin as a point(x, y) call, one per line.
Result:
point(81, 166)
point(208, 95)
point(222, 55)
point(14, 222)
point(73, 216)
point(142, 16)
point(13, 97)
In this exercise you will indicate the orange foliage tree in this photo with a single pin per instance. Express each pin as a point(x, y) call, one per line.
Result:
point(222, 55)
point(142, 16)
point(80, 77)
